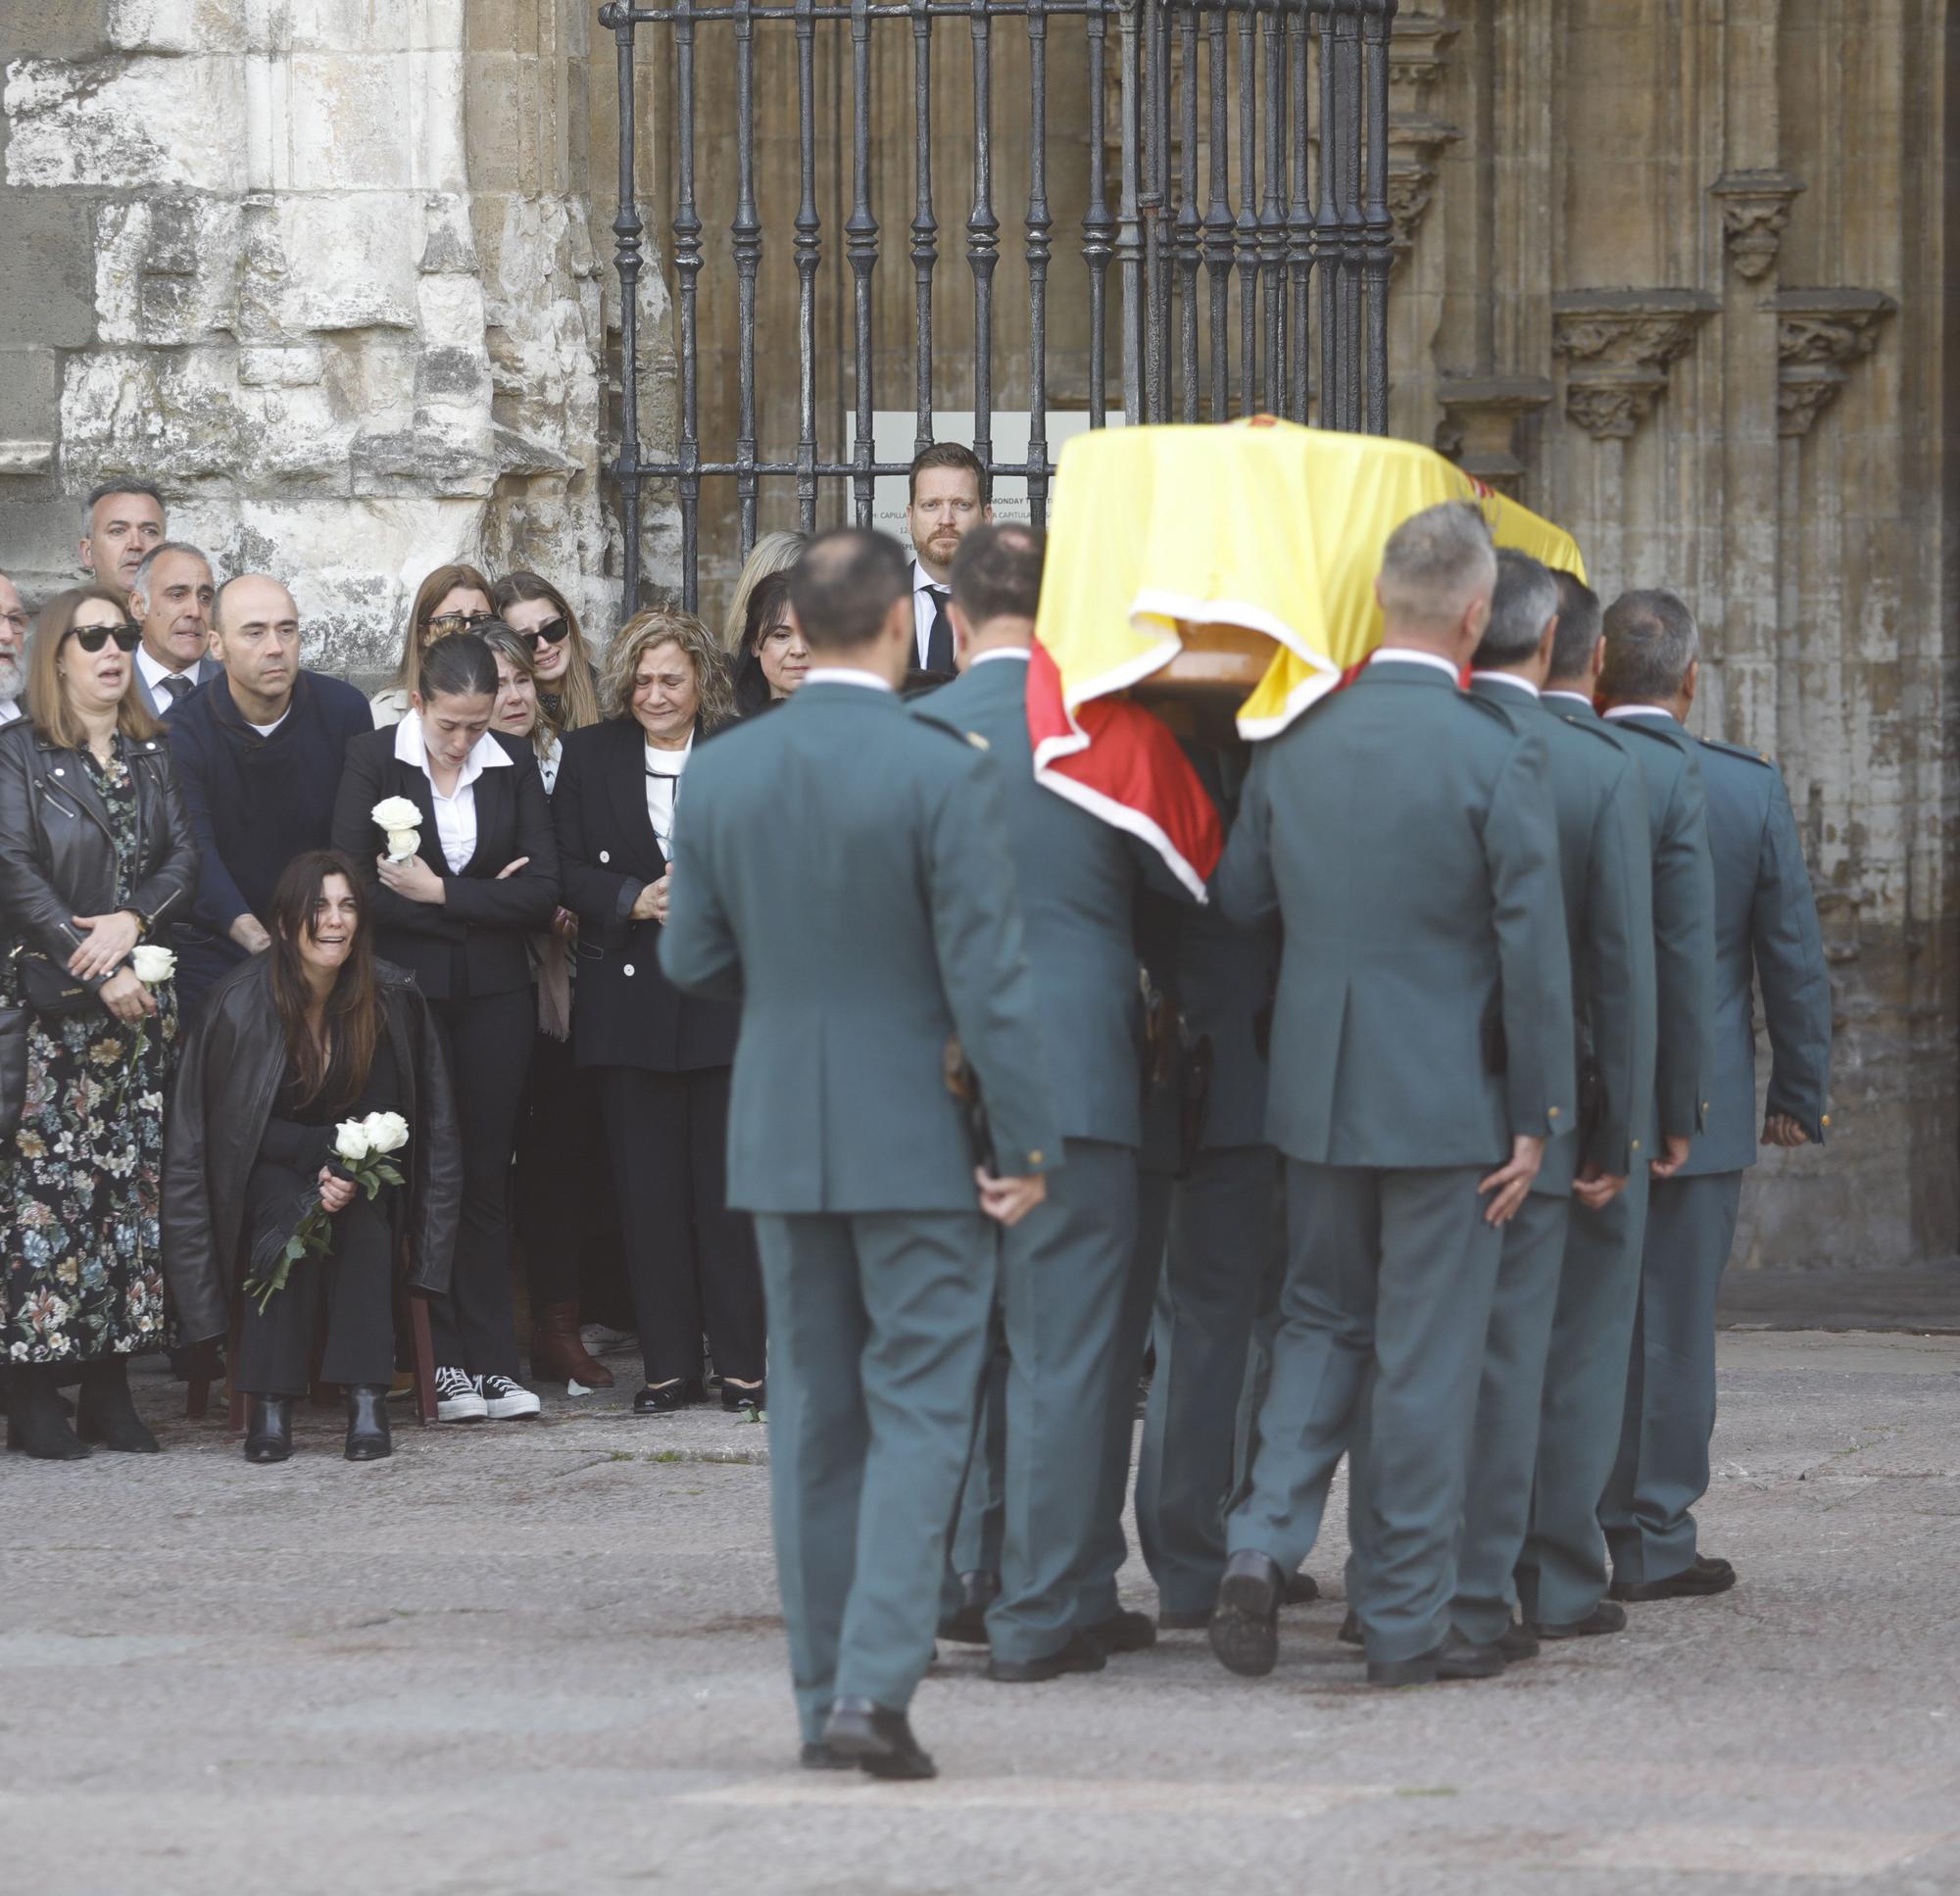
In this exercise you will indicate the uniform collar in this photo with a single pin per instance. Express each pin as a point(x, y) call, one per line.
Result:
point(1509, 678)
point(1658, 711)
point(845, 675)
point(1019, 652)
point(1398, 654)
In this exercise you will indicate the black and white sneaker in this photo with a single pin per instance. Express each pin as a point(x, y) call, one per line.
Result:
point(505, 1400)
point(458, 1397)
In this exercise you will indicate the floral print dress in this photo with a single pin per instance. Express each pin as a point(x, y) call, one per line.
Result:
point(81, 1270)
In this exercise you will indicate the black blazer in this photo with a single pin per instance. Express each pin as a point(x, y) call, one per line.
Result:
point(624, 1012)
point(472, 942)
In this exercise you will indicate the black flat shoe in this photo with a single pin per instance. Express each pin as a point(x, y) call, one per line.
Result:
point(1300, 1589)
point(735, 1398)
point(1245, 1623)
point(1517, 1641)
point(966, 1624)
point(878, 1739)
point(1605, 1618)
point(1350, 1629)
point(1456, 1658)
point(368, 1437)
point(667, 1399)
point(818, 1756)
point(1124, 1633)
point(270, 1436)
point(103, 1412)
point(1696, 1581)
point(1079, 1655)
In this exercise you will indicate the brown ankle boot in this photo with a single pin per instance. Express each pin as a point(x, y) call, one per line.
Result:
point(556, 1354)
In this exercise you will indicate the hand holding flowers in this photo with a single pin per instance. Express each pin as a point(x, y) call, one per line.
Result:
point(363, 1150)
point(398, 818)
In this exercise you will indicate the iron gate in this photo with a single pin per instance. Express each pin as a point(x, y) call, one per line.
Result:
point(1279, 106)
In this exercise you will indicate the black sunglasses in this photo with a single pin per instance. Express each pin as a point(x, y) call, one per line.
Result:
point(551, 632)
point(446, 625)
point(92, 638)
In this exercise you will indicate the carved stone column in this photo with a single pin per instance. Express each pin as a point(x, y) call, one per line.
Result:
point(1416, 136)
point(1755, 209)
point(1482, 416)
point(1819, 335)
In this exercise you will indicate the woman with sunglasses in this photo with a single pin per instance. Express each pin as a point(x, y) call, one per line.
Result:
point(96, 856)
point(450, 599)
point(560, 1174)
point(542, 617)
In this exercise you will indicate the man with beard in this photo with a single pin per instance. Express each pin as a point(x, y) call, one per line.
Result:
point(122, 521)
point(13, 652)
point(171, 598)
point(947, 499)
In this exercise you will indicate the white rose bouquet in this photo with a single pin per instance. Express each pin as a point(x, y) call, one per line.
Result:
point(398, 818)
point(151, 965)
point(364, 1149)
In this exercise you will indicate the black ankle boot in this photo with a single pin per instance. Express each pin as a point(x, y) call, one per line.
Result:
point(104, 1412)
point(368, 1438)
point(35, 1422)
point(270, 1436)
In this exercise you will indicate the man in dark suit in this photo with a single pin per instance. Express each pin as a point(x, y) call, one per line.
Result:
point(259, 755)
point(1073, 1360)
point(1422, 1059)
point(1765, 939)
point(844, 874)
point(171, 598)
point(1562, 1573)
point(946, 500)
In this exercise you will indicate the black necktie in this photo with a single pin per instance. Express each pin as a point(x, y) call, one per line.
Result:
point(177, 685)
point(939, 641)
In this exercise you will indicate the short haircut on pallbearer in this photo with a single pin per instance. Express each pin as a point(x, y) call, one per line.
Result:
point(997, 573)
point(1578, 626)
point(844, 586)
point(1651, 638)
point(1526, 596)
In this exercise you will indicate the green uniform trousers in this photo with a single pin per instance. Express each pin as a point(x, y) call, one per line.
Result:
point(1662, 1469)
point(1561, 1574)
point(877, 1333)
point(1390, 1277)
point(1227, 1233)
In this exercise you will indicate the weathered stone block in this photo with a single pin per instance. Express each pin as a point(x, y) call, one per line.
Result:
point(356, 129)
point(349, 262)
point(55, 28)
point(126, 122)
point(30, 400)
point(48, 295)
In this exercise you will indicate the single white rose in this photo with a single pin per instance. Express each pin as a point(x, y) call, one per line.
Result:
point(403, 844)
point(151, 964)
point(350, 1140)
point(396, 814)
point(388, 1132)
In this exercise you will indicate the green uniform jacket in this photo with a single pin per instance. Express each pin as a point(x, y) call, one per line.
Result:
point(841, 869)
point(1078, 879)
point(1683, 912)
point(1605, 866)
point(1766, 936)
point(1423, 1016)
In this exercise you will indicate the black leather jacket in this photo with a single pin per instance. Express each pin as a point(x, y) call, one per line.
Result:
point(57, 857)
point(233, 1059)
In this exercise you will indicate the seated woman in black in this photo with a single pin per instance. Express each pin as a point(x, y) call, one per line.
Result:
point(480, 877)
point(310, 1033)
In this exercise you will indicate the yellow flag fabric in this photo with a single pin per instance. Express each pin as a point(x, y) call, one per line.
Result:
point(1261, 524)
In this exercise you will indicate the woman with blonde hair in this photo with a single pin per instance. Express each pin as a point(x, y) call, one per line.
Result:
point(661, 1058)
point(97, 859)
point(773, 553)
point(450, 599)
point(542, 617)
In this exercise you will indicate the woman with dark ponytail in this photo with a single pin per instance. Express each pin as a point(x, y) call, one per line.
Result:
point(459, 867)
point(312, 1032)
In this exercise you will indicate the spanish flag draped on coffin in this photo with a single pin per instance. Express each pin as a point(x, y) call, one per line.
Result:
point(1168, 540)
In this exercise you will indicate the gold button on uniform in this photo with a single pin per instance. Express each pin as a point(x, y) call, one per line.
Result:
point(1825, 1121)
point(1034, 1158)
point(1637, 1145)
point(1552, 1112)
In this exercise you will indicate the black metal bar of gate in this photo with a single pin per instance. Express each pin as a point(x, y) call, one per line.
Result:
point(1284, 101)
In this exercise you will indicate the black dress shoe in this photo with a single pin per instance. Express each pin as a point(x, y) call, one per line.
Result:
point(1605, 1618)
point(667, 1399)
point(735, 1398)
point(966, 1624)
point(1517, 1641)
point(269, 1436)
point(1123, 1631)
point(1172, 1620)
point(877, 1739)
point(105, 1414)
point(818, 1756)
point(1080, 1655)
point(1456, 1658)
point(1245, 1623)
point(36, 1424)
point(1299, 1589)
point(1698, 1578)
point(1350, 1629)
point(368, 1437)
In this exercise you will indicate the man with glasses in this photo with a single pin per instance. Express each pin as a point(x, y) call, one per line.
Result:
point(12, 653)
point(170, 598)
point(946, 499)
point(259, 755)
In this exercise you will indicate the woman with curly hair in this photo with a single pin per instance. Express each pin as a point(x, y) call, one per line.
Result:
point(661, 1058)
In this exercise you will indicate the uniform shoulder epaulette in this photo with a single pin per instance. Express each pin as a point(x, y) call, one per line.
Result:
point(1491, 707)
point(946, 721)
point(1654, 731)
point(1607, 734)
point(1738, 750)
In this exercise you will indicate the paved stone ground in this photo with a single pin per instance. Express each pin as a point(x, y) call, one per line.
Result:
point(546, 1657)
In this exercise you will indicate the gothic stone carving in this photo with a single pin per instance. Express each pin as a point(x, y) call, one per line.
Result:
point(1820, 333)
point(1755, 210)
point(1619, 345)
point(1481, 415)
point(1416, 136)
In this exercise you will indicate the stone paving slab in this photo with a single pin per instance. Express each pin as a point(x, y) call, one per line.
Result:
point(548, 1657)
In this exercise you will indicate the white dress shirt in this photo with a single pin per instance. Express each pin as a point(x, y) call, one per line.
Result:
point(548, 763)
point(456, 813)
point(924, 609)
point(1510, 678)
point(153, 674)
point(1401, 655)
point(663, 773)
point(10, 708)
point(1576, 697)
point(1640, 710)
point(1019, 652)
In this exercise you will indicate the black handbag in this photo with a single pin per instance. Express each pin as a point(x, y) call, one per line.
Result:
point(50, 990)
point(12, 1066)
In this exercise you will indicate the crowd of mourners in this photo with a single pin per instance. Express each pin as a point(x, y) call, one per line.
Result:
point(217, 960)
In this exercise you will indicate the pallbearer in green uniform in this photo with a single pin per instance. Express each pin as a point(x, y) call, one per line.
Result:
point(841, 869)
point(1562, 1574)
point(1605, 870)
point(1422, 1055)
point(1066, 1270)
point(1766, 938)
